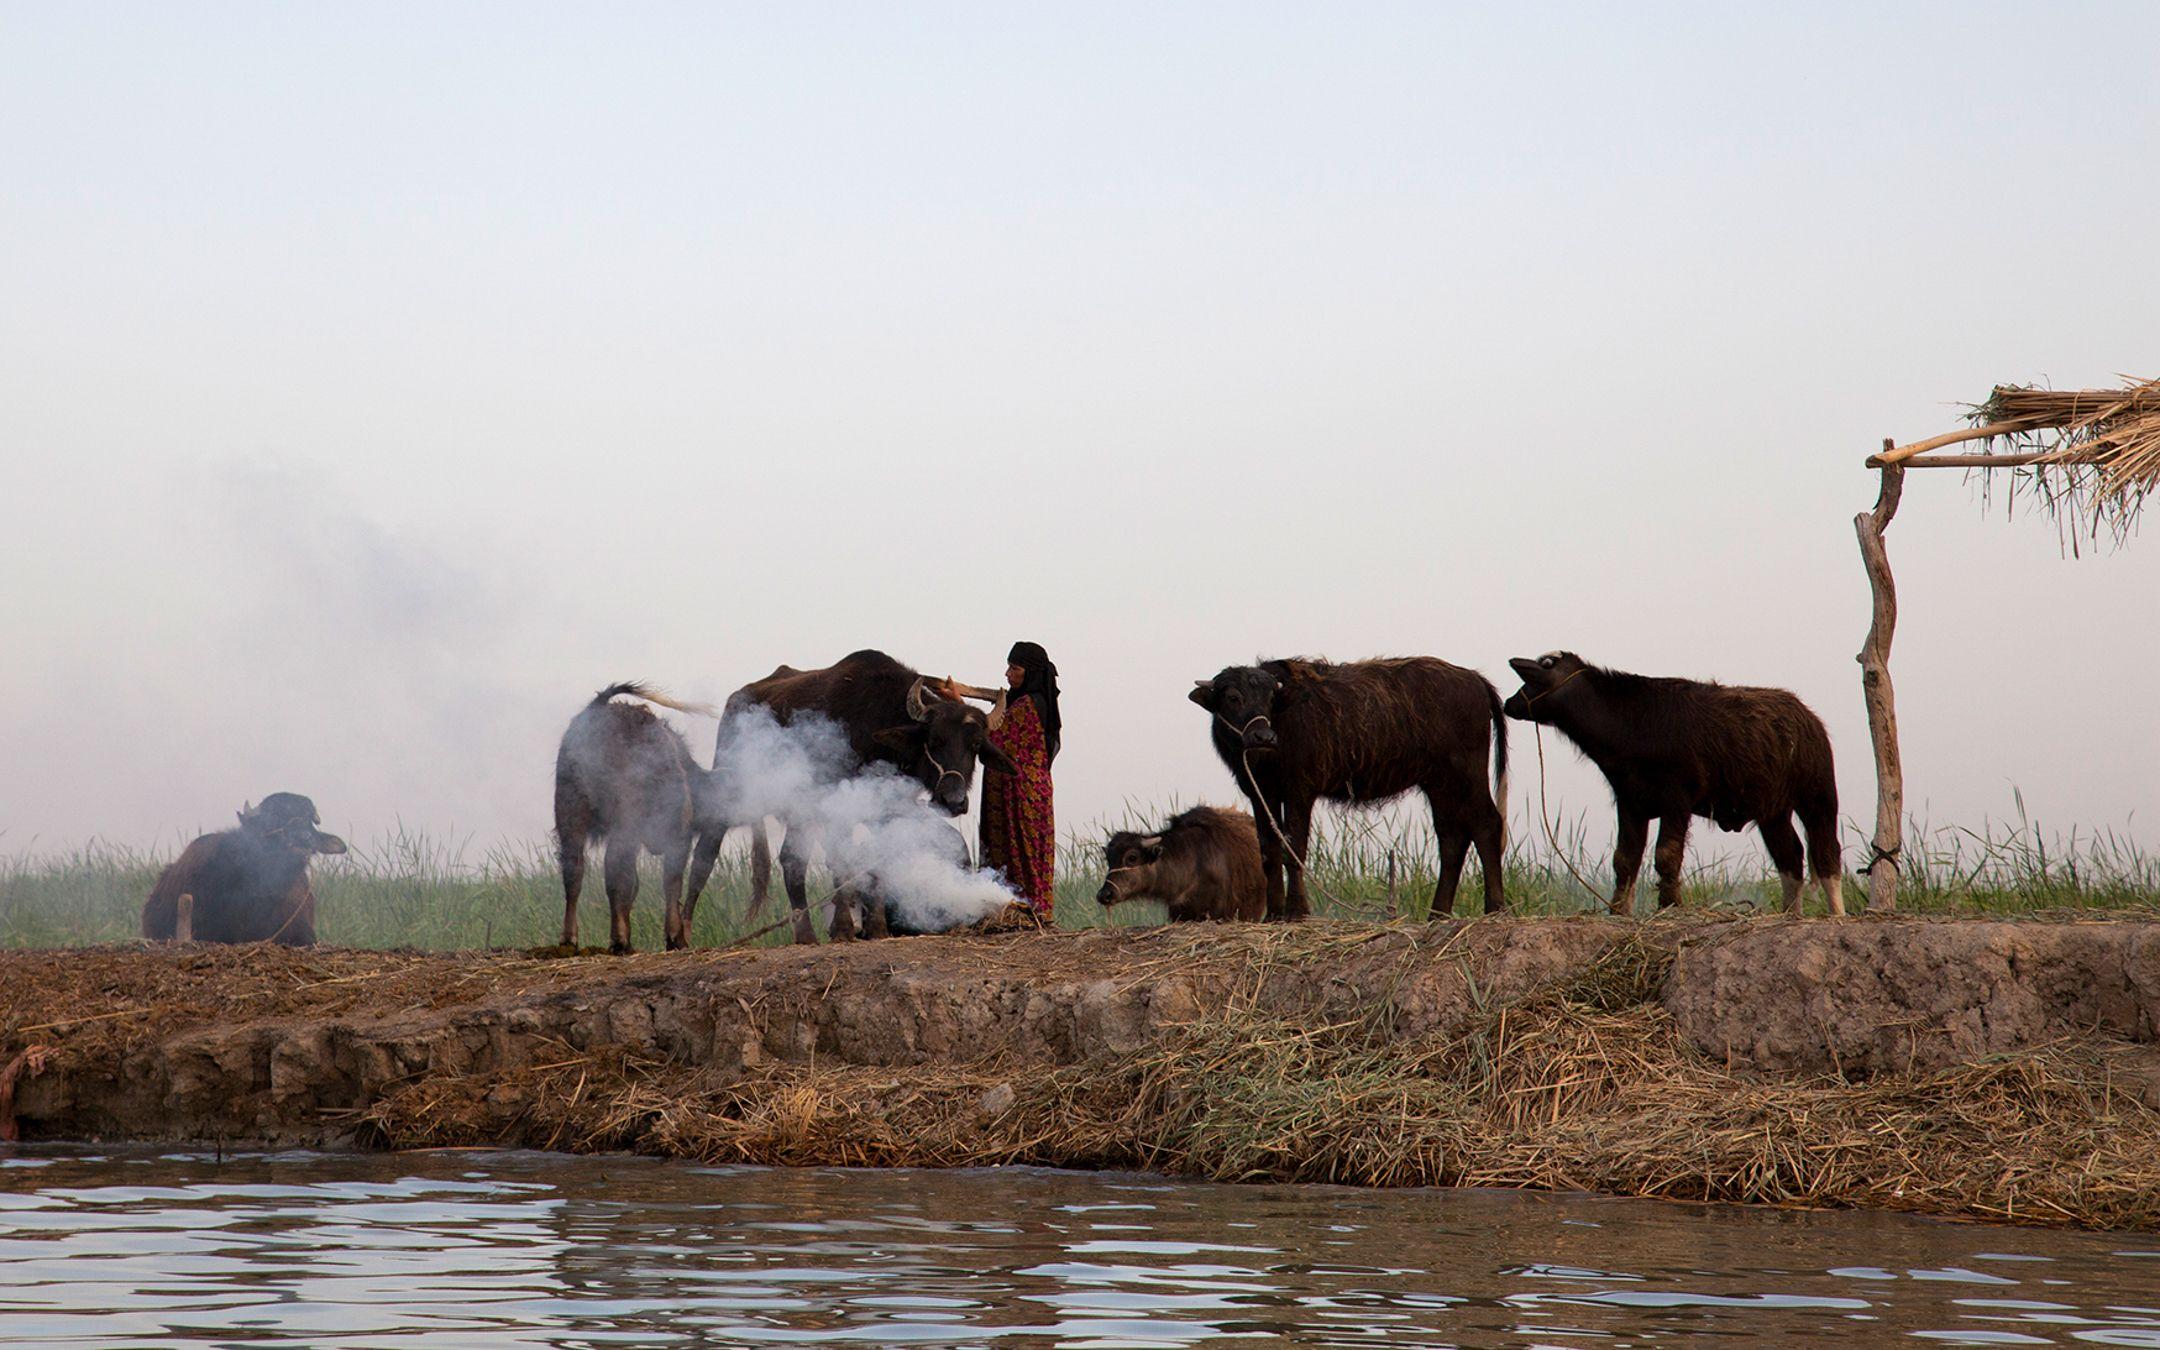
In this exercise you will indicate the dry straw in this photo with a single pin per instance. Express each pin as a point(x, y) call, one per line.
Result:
point(1367, 1054)
point(2089, 456)
point(1583, 1085)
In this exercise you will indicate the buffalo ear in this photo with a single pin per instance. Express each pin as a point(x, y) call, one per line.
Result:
point(1203, 693)
point(328, 843)
point(899, 740)
point(996, 760)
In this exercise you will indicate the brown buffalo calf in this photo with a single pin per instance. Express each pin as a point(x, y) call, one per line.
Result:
point(1203, 864)
point(1673, 749)
point(244, 885)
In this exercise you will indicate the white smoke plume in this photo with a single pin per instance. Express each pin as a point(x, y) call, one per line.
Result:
point(870, 820)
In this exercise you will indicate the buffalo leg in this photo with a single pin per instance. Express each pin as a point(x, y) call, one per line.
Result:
point(702, 859)
point(1271, 860)
point(676, 920)
point(1491, 840)
point(795, 874)
point(1671, 852)
point(1453, 846)
point(619, 868)
point(570, 852)
point(760, 868)
point(1826, 860)
point(1297, 823)
point(1627, 859)
point(1783, 841)
point(846, 925)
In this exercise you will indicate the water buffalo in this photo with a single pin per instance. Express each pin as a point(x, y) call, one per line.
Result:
point(625, 776)
point(1203, 864)
point(886, 713)
point(1673, 749)
point(244, 885)
point(1363, 731)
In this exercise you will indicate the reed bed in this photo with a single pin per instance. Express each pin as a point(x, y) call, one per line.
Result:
point(412, 889)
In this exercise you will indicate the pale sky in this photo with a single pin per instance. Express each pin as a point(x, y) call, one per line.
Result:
point(377, 381)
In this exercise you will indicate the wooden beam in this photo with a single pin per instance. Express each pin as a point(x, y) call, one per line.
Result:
point(1898, 454)
point(1966, 462)
point(1881, 699)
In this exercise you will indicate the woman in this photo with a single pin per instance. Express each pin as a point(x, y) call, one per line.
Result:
point(1019, 830)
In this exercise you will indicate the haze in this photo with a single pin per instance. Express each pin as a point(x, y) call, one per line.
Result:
point(376, 382)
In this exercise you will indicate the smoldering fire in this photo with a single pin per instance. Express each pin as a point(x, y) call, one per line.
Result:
point(869, 819)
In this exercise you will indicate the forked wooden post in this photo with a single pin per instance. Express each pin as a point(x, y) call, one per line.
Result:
point(1874, 659)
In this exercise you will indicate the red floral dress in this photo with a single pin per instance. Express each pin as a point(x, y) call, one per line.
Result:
point(1019, 830)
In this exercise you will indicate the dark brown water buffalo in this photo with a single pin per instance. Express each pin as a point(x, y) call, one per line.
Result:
point(1204, 863)
point(1364, 731)
point(625, 776)
point(1673, 749)
point(886, 713)
point(244, 885)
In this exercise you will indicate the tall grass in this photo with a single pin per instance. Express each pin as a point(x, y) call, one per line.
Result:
point(414, 889)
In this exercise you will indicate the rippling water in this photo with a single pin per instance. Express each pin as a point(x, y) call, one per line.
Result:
point(138, 1248)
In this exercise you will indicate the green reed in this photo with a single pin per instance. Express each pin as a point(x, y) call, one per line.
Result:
point(411, 888)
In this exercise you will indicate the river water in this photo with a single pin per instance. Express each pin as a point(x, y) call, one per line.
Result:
point(121, 1247)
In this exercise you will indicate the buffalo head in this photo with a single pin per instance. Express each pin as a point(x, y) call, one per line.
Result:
point(942, 740)
point(1543, 679)
point(1243, 697)
point(287, 820)
point(1128, 854)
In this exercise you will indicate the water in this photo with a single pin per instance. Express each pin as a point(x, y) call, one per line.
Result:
point(454, 1249)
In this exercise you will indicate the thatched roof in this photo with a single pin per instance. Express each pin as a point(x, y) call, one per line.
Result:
point(2087, 456)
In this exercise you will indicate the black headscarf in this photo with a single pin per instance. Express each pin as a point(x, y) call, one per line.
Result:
point(1038, 680)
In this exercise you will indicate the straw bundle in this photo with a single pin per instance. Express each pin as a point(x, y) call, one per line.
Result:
point(2094, 453)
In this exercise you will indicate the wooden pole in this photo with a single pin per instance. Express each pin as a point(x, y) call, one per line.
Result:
point(1874, 659)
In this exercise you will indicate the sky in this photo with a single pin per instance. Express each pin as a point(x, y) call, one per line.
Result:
point(376, 382)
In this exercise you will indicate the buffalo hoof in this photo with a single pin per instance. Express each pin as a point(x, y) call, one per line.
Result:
point(805, 933)
point(619, 949)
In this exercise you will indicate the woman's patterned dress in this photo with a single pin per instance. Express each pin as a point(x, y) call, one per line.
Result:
point(1019, 830)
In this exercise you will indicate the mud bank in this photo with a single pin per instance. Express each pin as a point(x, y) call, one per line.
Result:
point(2009, 1071)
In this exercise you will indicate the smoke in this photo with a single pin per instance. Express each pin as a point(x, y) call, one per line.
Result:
point(870, 819)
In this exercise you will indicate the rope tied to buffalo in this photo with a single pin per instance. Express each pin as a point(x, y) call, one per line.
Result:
point(1267, 812)
point(1552, 836)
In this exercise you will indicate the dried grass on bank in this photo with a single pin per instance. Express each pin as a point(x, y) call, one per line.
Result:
point(1584, 1086)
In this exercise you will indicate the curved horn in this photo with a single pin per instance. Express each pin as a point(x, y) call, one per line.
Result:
point(918, 699)
point(1151, 841)
point(996, 714)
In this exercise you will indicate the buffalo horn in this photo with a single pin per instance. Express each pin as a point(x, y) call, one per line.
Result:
point(918, 699)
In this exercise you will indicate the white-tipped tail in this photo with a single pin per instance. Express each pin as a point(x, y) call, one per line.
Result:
point(651, 695)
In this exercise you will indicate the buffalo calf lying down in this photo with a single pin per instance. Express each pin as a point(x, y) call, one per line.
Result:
point(1673, 749)
point(1296, 732)
point(1203, 864)
point(625, 776)
point(244, 885)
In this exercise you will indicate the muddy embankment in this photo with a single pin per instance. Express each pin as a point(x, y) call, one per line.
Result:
point(1987, 1069)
